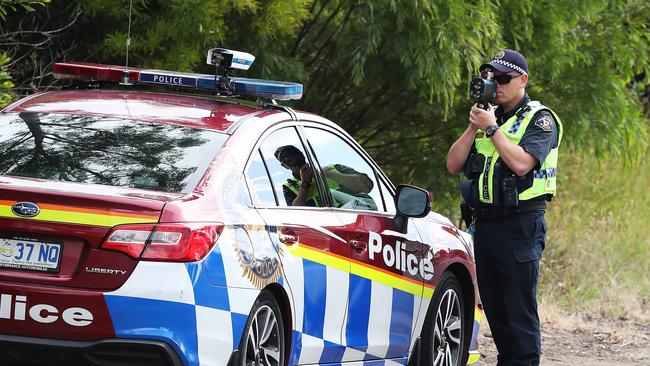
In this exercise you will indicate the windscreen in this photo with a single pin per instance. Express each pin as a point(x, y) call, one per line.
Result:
point(105, 150)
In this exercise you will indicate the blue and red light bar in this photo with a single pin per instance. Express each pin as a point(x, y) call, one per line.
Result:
point(270, 89)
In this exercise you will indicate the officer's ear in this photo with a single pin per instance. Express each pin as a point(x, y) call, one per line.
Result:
point(523, 81)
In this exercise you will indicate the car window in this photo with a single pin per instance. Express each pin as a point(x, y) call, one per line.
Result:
point(350, 179)
point(259, 183)
point(284, 156)
point(389, 199)
point(105, 150)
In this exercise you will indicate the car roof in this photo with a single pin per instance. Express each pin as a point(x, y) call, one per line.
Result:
point(188, 110)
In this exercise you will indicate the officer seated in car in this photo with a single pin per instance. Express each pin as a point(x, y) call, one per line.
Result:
point(349, 188)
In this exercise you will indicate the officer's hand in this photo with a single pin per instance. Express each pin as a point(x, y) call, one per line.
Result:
point(306, 173)
point(480, 118)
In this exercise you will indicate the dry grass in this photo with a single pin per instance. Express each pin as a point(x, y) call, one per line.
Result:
point(597, 257)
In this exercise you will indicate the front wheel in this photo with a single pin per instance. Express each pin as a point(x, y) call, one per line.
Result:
point(443, 336)
point(263, 343)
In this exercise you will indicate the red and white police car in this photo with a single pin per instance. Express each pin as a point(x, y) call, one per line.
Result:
point(147, 227)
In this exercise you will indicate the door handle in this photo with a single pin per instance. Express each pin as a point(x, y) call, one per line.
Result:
point(358, 245)
point(288, 239)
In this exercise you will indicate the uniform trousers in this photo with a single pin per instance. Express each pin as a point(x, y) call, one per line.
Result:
point(508, 251)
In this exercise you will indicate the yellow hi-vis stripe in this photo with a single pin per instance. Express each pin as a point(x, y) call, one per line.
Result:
point(478, 314)
point(318, 256)
point(473, 358)
point(361, 269)
point(82, 216)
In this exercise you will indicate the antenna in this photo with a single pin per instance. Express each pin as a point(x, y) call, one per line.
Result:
point(125, 73)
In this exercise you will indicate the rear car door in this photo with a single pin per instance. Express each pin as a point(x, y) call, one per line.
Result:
point(386, 284)
point(310, 250)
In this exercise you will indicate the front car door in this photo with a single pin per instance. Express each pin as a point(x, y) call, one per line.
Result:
point(387, 269)
point(311, 251)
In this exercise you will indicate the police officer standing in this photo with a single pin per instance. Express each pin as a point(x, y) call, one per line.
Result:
point(509, 155)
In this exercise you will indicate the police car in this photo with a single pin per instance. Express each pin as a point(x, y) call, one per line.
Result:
point(145, 226)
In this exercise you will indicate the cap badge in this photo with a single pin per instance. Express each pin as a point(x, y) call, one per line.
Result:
point(500, 55)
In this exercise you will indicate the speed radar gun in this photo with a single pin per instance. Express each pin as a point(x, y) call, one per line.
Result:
point(483, 89)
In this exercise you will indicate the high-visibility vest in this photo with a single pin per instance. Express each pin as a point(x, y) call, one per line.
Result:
point(293, 184)
point(544, 179)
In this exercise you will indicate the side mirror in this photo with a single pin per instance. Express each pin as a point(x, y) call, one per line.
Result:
point(410, 201)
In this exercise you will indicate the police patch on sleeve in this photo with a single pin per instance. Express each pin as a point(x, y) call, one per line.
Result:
point(545, 123)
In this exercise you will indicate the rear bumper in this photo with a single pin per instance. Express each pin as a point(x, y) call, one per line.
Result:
point(15, 350)
point(169, 305)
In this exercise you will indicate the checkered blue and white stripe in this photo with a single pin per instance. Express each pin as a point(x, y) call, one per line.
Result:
point(377, 314)
point(175, 302)
point(510, 65)
point(199, 312)
point(203, 312)
point(545, 173)
point(532, 107)
point(516, 125)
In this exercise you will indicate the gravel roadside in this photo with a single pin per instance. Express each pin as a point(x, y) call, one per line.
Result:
point(584, 340)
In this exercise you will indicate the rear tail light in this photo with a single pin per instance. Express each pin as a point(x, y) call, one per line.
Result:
point(130, 239)
point(164, 242)
point(181, 243)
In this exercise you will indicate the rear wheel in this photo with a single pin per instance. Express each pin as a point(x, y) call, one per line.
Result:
point(263, 342)
point(443, 334)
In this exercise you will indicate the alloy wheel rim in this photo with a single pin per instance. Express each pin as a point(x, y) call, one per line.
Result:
point(447, 330)
point(263, 339)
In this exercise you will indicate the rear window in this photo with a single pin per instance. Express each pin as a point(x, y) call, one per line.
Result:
point(105, 150)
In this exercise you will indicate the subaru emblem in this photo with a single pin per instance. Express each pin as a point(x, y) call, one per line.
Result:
point(25, 209)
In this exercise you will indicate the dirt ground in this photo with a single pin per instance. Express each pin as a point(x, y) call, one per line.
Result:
point(583, 339)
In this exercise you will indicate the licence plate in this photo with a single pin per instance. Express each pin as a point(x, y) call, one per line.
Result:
point(30, 255)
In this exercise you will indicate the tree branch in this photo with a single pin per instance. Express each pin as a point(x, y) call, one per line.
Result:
point(306, 27)
point(321, 31)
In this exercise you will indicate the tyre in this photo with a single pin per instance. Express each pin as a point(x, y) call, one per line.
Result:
point(263, 342)
point(443, 334)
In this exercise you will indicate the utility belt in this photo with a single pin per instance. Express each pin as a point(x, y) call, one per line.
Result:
point(492, 213)
point(480, 214)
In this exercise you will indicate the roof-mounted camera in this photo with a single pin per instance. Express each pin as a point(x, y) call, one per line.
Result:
point(224, 61)
point(229, 59)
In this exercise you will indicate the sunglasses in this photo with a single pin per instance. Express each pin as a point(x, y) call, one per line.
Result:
point(505, 78)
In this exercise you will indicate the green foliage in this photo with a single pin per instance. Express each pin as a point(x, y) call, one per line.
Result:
point(15, 5)
point(6, 96)
point(177, 34)
point(590, 57)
